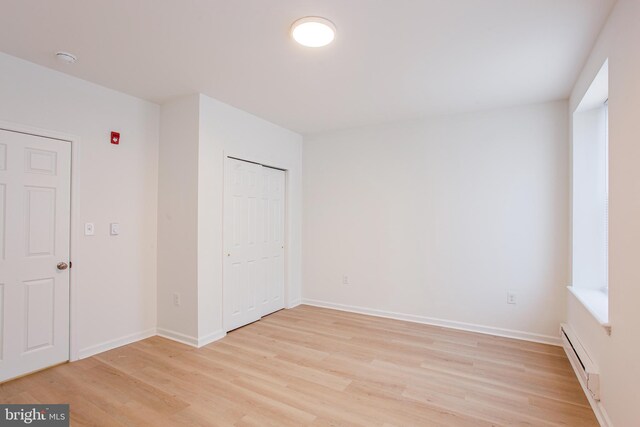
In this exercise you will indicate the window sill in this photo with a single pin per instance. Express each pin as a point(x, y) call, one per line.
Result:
point(596, 302)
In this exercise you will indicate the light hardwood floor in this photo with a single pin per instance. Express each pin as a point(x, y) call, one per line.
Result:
point(318, 367)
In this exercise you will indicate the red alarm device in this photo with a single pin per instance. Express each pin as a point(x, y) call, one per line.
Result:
point(115, 138)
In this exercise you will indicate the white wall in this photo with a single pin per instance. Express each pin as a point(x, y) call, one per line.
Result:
point(224, 131)
point(167, 196)
point(113, 278)
point(197, 132)
point(435, 220)
point(178, 218)
point(617, 356)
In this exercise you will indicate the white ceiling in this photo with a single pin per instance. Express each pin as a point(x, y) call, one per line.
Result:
point(391, 60)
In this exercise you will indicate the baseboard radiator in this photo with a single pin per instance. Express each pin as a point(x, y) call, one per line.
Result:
point(581, 362)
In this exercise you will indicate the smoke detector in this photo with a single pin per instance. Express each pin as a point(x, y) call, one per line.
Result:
point(66, 57)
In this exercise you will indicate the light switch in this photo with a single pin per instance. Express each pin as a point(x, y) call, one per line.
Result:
point(89, 229)
point(115, 228)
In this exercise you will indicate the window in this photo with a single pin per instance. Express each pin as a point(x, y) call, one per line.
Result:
point(590, 201)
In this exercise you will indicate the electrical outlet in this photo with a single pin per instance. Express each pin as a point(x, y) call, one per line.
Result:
point(176, 299)
point(511, 297)
point(345, 280)
point(89, 229)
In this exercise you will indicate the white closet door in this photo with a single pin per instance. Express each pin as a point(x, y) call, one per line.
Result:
point(273, 249)
point(35, 179)
point(253, 277)
point(242, 277)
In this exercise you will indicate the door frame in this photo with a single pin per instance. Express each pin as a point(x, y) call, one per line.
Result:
point(287, 232)
point(74, 140)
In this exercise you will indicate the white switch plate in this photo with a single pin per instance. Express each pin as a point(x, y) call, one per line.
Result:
point(345, 280)
point(511, 298)
point(115, 228)
point(176, 299)
point(89, 229)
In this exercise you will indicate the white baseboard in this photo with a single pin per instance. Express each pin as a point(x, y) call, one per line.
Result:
point(177, 336)
point(294, 303)
point(118, 342)
point(212, 337)
point(129, 339)
point(191, 340)
point(470, 327)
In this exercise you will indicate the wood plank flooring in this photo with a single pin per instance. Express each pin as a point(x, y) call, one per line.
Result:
point(317, 367)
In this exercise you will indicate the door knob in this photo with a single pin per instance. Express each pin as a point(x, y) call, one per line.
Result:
point(62, 266)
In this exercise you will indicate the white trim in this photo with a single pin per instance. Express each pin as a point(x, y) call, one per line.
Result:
point(452, 324)
point(74, 235)
point(595, 302)
point(74, 351)
point(152, 332)
point(596, 405)
point(177, 336)
point(36, 131)
point(191, 340)
point(212, 337)
point(294, 303)
point(118, 342)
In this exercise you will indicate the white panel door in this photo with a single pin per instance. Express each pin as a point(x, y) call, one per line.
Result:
point(273, 198)
point(254, 207)
point(243, 275)
point(35, 178)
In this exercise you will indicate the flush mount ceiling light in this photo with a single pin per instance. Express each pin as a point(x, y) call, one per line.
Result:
point(313, 31)
point(66, 57)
